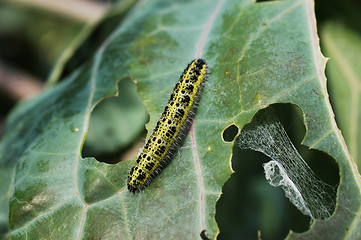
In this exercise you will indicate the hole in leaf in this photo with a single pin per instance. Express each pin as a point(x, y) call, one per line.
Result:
point(230, 133)
point(203, 235)
point(249, 203)
point(117, 126)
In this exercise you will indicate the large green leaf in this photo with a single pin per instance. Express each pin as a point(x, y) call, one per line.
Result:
point(258, 54)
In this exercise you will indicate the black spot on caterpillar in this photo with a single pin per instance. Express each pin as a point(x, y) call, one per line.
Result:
point(169, 130)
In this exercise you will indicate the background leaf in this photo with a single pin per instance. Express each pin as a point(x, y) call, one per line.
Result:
point(116, 122)
point(342, 45)
point(258, 54)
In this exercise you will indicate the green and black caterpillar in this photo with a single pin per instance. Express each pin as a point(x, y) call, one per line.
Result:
point(171, 127)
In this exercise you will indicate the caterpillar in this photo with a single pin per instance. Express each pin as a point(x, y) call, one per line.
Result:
point(171, 128)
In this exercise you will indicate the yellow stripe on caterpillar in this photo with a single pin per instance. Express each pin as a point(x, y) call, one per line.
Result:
point(167, 134)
